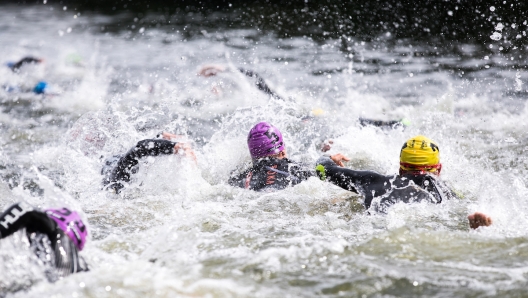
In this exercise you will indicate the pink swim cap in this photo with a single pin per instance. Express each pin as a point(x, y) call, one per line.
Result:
point(71, 223)
point(264, 140)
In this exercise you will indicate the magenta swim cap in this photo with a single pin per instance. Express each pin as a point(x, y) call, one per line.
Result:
point(71, 223)
point(264, 140)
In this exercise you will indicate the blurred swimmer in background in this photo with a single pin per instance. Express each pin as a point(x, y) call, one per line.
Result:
point(260, 83)
point(55, 236)
point(27, 66)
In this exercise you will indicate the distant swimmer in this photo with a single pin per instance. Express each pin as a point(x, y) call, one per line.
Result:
point(40, 87)
point(271, 169)
point(418, 180)
point(118, 169)
point(55, 235)
point(15, 66)
point(214, 69)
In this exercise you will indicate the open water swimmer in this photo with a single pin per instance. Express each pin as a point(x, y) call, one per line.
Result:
point(56, 236)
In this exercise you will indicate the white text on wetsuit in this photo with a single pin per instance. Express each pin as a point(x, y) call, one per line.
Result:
point(15, 214)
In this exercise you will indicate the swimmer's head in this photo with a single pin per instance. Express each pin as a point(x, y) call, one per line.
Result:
point(264, 140)
point(420, 155)
point(41, 87)
point(71, 224)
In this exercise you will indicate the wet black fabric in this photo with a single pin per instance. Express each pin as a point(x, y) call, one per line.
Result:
point(45, 237)
point(260, 83)
point(26, 60)
point(382, 191)
point(391, 124)
point(271, 174)
point(118, 168)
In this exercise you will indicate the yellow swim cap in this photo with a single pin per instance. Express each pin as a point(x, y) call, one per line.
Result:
point(419, 153)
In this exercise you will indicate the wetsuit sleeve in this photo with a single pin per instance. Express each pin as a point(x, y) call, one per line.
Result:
point(352, 180)
point(379, 123)
point(300, 172)
point(238, 179)
point(22, 215)
point(260, 83)
point(149, 147)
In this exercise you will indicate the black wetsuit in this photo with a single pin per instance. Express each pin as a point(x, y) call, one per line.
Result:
point(118, 168)
point(48, 241)
point(26, 60)
point(268, 174)
point(380, 191)
point(391, 124)
point(260, 83)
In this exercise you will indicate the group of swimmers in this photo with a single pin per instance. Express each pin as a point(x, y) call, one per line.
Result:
point(57, 235)
point(418, 179)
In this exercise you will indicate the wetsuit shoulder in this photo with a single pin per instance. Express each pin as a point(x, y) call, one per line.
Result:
point(433, 185)
point(123, 166)
point(22, 215)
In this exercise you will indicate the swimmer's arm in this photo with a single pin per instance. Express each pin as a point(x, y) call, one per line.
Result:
point(239, 180)
point(260, 83)
point(345, 178)
point(145, 148)
point(22, 215)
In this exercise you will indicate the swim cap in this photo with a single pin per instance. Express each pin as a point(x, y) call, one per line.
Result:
point(71, 223)
point(40, 87)
point(264, 140)
point(419, 153)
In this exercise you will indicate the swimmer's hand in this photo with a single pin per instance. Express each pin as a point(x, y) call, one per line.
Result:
point(211, 70)
point(172, 137)
point(186, 150)
point(478, 219)
point(339, 158)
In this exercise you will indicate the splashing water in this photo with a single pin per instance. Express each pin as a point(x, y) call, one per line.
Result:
point(178, 229)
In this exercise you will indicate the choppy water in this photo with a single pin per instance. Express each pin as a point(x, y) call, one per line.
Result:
point(180, 230)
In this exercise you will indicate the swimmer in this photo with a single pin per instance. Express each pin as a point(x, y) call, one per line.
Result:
point(15, 66)
point(214, 69)
point(271, 169)
point(55, 235)
point(118, 168)
point(418, 180)
point(41, 87)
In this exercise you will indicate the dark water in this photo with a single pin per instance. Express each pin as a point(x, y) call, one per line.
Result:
point(124, 75)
